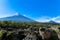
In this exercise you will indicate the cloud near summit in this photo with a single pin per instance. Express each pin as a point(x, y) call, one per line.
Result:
point(47, 19)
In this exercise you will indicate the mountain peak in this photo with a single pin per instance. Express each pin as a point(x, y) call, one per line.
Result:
point(17, 18)
point(16, 14)
point(51, 21)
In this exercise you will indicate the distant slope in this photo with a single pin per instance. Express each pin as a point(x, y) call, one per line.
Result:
point(17, 18)
point(51, 21)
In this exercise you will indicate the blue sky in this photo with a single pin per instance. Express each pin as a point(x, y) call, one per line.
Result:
point(40, 10)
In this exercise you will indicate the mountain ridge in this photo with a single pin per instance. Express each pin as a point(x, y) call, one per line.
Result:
point(17, 18)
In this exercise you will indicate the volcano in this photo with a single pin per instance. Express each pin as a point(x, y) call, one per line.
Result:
point(51, 21)
point(17, 18)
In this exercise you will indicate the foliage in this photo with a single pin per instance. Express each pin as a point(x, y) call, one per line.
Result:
point(11, 24)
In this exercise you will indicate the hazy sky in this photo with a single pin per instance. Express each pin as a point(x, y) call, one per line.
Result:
point(40, 10)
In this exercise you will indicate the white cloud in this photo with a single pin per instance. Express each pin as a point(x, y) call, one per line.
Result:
point(16, 14)
point(24, 15)
point(57, 21)
point(46, 19)
point(55, 18)
point(43, 19)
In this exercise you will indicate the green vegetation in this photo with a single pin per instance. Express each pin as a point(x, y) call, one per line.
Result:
point(1, 32)
point(4, 25)
point(10, 24)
